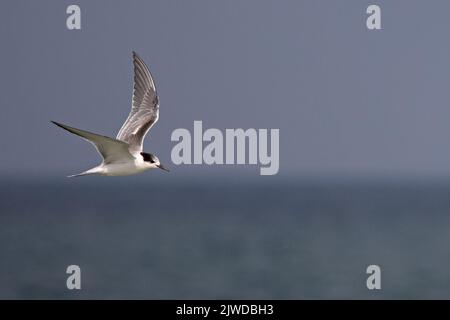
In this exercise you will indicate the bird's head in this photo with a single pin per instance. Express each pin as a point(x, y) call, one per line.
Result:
point(152, 161)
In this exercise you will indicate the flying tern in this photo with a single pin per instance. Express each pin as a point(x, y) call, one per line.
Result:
point(124, 155)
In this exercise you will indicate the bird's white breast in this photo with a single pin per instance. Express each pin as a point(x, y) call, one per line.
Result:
point(125, 168)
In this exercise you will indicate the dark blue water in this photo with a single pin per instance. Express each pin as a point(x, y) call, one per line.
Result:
point(292, 239)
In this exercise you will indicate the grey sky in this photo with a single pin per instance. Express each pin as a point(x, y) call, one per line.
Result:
point(345, 99)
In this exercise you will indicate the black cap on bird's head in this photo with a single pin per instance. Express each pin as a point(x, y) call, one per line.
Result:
point(148, 157)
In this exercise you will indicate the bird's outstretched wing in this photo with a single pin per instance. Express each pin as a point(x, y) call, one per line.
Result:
point(144, 110)
point(111, 150)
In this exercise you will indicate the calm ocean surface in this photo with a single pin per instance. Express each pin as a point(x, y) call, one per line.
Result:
point(291, 239)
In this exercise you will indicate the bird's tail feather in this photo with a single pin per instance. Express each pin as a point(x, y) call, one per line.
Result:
point(79, 175)
point(85, 173)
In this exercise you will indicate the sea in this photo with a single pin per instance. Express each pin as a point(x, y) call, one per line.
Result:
point(196, 238)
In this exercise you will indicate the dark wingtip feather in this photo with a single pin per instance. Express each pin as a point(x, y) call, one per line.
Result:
point(55, 123)
point(58, 124)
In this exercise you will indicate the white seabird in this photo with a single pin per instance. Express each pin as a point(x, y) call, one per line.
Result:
point(124, 155)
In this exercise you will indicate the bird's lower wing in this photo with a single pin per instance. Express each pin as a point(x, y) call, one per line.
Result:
point(111, 150)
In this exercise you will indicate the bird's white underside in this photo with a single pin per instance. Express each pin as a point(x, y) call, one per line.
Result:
point(125, 168)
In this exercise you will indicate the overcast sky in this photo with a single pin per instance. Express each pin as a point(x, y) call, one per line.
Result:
point(346, 99)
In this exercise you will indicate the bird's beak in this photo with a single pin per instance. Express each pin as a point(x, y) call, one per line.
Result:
point(163, 168)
